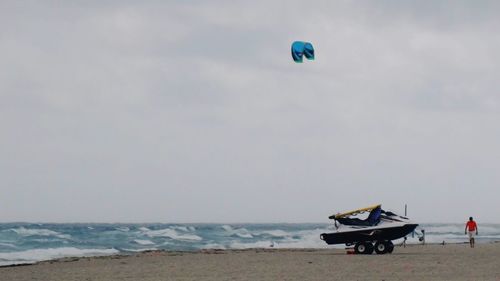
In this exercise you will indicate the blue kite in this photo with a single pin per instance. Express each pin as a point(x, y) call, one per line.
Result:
point(301, 49)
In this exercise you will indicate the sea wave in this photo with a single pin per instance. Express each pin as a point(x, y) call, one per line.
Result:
point(274, 233)
point(240, 232)
point(457, 228)
point(303, 239)
point(8, 245)
point(144, 242)
point(22, 231)
point(22, 243)
point(36, 255)
point(181, 228)
point(170, 233)
point(442, 229)
point(213, 246)
point(123, 229)
point(139, 250)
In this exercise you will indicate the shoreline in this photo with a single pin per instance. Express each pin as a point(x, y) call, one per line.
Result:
point(217, 251)
point(413, 262)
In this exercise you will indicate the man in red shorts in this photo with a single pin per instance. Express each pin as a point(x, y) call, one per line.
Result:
point(471, 229)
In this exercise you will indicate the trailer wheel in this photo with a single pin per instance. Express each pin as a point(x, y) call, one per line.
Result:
point(360, 248)
point(390, 247)
point(364, 248)
point(381, 247)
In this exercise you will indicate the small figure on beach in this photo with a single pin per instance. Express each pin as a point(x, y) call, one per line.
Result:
point(471, 229)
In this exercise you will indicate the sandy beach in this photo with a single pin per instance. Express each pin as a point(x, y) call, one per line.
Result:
point(430, 262)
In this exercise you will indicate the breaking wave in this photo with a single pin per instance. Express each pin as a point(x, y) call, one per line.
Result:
point(123, 229)
point(240, 232)
point(170, 233)
point(7, 245)
point(144, 242)
point(39, 232)
point(274, 233)
point(36, 255)
point(27, 243)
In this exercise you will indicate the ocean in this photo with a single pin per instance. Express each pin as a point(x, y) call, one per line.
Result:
point(28, 242)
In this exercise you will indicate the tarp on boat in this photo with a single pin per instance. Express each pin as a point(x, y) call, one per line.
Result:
point(355, 212)
point(373, 219)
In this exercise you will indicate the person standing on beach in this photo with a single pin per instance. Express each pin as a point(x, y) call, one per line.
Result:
point(471, 228)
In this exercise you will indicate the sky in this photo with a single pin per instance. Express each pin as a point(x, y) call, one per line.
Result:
point(193, 111)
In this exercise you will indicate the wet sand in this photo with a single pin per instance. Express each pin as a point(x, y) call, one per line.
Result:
point(430, 262)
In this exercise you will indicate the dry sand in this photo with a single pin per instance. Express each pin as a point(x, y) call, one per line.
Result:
point(430, 262)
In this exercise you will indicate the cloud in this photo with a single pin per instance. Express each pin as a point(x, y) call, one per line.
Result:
point(194, 111)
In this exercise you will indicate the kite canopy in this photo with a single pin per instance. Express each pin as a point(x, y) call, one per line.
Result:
point(301, 49)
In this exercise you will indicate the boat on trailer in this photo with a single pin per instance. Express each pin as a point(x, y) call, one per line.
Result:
point(374, 233)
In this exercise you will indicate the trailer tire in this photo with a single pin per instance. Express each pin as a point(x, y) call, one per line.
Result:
point(390, 247)
point(360, 248)
point(381, 247)
point(363, 248)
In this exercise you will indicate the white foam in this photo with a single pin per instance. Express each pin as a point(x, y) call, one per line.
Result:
point(123, 229)
point(7, 245)
point(275, 233)
point(39, 232)
point(213, 246)
point(227, 228)
point(171, 233)
point(140, 250)
point(307, 239)
point(181, 228)
point(240, 232)
point(144, 242)
point(243, 233)
point(35, 255)
point(41, 240)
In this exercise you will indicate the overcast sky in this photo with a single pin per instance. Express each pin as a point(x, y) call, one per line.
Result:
point(193, 111)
